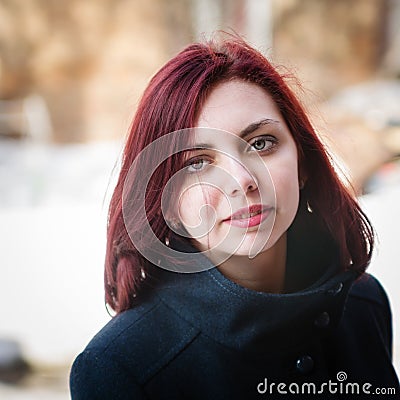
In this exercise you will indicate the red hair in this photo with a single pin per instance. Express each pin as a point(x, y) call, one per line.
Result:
point(172, 101)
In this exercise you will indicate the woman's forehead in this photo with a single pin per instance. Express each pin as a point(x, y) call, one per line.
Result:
point(234, 105)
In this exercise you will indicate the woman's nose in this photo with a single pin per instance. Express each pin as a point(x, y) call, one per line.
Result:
point(241, 180)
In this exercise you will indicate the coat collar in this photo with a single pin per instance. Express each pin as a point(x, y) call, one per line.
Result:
point(244, 319)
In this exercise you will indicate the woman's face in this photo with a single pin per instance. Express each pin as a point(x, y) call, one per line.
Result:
point(241, 184)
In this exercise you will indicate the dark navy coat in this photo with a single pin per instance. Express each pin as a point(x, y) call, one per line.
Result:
point(201, 336)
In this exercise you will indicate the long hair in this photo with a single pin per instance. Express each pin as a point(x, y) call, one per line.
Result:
point(172, 101)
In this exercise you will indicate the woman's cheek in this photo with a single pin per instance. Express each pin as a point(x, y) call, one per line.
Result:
point(199, 204)
point(286, 188)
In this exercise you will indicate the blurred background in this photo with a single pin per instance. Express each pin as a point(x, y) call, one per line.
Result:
point(71, 74)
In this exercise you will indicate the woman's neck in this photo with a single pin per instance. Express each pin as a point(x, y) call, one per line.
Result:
point(263, 273)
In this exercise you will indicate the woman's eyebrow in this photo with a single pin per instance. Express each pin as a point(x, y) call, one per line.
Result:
point(256, 125)
point(245, 132)
point(202, 146)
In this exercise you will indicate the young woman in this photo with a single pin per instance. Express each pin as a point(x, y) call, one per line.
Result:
point(236, 258)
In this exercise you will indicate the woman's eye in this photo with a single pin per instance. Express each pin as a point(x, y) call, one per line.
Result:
point(196, 165)
point(263, 143)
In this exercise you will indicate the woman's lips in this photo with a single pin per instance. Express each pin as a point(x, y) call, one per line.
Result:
point(248, 217)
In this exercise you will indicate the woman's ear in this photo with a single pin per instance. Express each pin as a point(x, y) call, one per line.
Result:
point(172, 220)
point(170, 212)
point(302, 173)
point(302, 178)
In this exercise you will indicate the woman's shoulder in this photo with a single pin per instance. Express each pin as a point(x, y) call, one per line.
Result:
point(139, 341)
point(368, 288)
point(368, 307)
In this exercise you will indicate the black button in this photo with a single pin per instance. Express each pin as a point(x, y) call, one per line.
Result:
point(304, 364)
point(336, 289)
point(322, 320)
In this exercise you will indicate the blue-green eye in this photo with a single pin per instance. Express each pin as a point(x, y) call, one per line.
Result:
point(263, 143)
point(196, 164)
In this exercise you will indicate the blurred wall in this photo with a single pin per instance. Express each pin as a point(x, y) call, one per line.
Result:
point(90, 60)
point(332, 43)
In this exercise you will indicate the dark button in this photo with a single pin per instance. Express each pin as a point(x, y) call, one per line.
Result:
point(322, 320)
point(304, 364)
point(336, 289)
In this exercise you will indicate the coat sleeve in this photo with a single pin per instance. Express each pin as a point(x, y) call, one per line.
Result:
point(386, 323)
point(97, 377)
point(370, 290)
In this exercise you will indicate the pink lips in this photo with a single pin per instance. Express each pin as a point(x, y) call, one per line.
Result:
point(248, 217)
